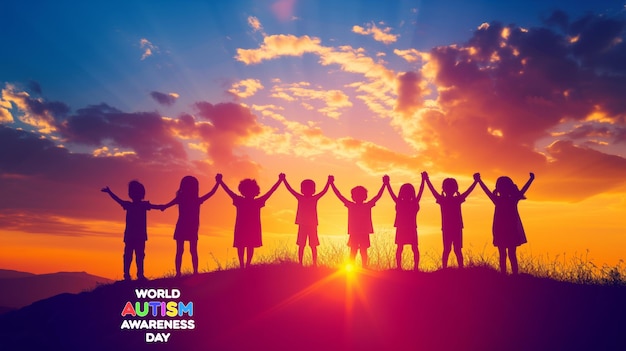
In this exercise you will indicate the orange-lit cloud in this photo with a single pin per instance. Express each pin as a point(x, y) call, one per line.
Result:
point(279, 45)
point(255, 24)
point(412, 55)
point(349, 59)
point(382, 35)
point(245, 88)
point(334, 100)
point(148, 48)
point(503, 92)
point(33, 111)
point(5, 115)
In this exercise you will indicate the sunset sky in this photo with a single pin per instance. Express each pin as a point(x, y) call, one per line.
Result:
point(97, 93)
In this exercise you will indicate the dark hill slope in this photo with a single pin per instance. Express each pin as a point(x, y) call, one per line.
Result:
point(285, 307)
point(19, 289)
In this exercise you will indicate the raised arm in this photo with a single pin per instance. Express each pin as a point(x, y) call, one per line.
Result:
point(389, 189)
point(420, 191)
point(113, 196)
point(218, 180)
point(426, 179)
point(204, 197)
point(378, 195)
point(273, 188)
point(336, 191)
point(323, 192)
point(289, 188)
point(470, 189)
point(527, 185)
point(484, 187)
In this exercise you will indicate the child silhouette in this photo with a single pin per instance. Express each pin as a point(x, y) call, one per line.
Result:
point(359, 219)
point(450, 201)
point(508, 232)
point(407, 206)
point(136, 232)
point(306, 216)
point(188, 222)
point(248, 233)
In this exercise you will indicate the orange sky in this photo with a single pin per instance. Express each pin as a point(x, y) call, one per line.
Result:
point(556, 231)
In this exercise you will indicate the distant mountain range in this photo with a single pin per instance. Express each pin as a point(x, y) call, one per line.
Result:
point(287, 307)
point(19, 289)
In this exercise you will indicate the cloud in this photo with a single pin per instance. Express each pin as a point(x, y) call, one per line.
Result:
point(279, 45)
point(32, 111)
point(41, 179)
point(148, 48)
point(490, 104)
point(334, 100)
point(508, 88)
point(409, 93)
point(5, 114)
point(245, 88)
point(580, 172)
point(382, 35)
point(307, 140)
point(412, 55)
point(38, 176)
point(164, 99)
point(145, 133)
point(255, 24)
point(377, 90)
point(227, 126)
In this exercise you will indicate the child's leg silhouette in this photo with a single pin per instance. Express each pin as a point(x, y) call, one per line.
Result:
point(240, 252)
point(399, 250)
point(140, 254)
point(249, 257)
point(447, 247)
point(128, 258)
point(193, 248)
point(364, 257)
point(314, 255)
point(513, 259)
point(180, 248)
point(502, 252)
point(459, 256)
point(416, 257)
point(300, 253)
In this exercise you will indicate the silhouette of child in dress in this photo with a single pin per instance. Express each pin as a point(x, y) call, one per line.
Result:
point(359, 219)
point(508, 232)
point(306, 216)
point(407, 206)
point(188, 222)
point(136, 232)
point(248, 234)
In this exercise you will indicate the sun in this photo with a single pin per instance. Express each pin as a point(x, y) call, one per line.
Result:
point(349, 268)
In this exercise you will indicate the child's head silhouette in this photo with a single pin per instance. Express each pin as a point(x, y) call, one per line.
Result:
point(189, 187)
point(359, 193)
point(307, 187)
point(249, 188)
point(136, 190)
point(407, 192)
point(505, 187)
point(450, 187)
